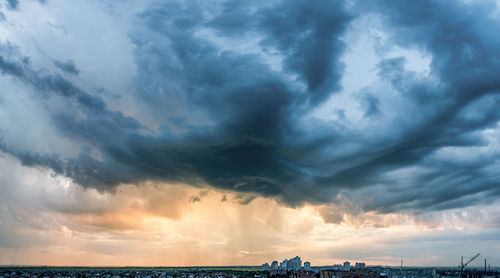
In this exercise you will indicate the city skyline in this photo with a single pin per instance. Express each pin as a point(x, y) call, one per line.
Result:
point(231, 132)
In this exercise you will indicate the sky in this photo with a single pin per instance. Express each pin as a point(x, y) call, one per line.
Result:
point(238, 132)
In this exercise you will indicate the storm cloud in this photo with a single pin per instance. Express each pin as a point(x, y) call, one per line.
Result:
point(226, 92)
point(68, 66)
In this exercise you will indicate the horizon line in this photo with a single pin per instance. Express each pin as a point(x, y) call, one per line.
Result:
point(222, 266)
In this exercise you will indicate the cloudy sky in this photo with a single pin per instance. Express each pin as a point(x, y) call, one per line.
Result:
point(236, 132)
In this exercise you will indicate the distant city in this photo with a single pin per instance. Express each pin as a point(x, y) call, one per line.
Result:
point(287, 268)
point(293, 268)
point(295, 264)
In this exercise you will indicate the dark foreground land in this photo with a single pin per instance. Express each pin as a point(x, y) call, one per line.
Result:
point(115, 272)
point(239, 272)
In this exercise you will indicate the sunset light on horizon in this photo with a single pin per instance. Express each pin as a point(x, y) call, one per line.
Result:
point(242, 132)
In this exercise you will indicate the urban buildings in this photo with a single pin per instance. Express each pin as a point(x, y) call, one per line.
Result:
point(265, 267)
point(357, 270)
point(293, 264)
point(360, 265)
point(274, 266)
point(293, 268)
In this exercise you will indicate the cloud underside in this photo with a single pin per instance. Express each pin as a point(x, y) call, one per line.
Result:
point(240, 121)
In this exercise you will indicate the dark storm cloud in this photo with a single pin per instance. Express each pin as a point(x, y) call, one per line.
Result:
point(68, 66)
point(370, 104)
point(309, 36)
point(230, 120)
point(13, 4)
point(465, 60)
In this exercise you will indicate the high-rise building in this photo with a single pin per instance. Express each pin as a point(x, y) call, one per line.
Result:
point(307, 266)
point(265, 267)
point(285, 264)
point(296, 263)
point(292, 264)
point(274, 266)
point(360, 265)
point(347, 265)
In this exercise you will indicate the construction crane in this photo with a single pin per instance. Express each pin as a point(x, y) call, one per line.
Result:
point(463, 265)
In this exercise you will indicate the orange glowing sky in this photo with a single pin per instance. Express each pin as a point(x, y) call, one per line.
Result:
point(48, 220)
point(233, 132)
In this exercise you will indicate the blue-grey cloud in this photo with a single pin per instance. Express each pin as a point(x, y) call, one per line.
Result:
point(235, 121)
point(370, 104)
point(309, 37)
point(13, 4)
point(69, 66)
